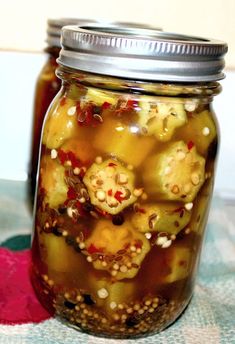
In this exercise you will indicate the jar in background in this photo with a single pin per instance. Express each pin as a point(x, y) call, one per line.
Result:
point(126, 176)
point(47, 87)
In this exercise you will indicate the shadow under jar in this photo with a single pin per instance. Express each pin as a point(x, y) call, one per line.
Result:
point(126, 176)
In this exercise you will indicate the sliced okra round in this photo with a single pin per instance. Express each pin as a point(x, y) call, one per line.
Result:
point(110, 186)
point(176, 173)
point(161, 217)
point(161, 118)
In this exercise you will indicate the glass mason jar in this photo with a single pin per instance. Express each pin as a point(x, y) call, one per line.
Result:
point(126, 175)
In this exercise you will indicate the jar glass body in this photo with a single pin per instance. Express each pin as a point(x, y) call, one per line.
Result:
point(47, 87)
point(125, 181)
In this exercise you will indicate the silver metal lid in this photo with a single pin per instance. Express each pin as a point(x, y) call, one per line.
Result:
point(54, 27)
point(142, 54)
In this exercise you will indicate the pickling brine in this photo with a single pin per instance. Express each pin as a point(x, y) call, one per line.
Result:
point(125, 181)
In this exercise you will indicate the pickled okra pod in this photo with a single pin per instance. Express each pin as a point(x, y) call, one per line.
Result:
point(200, 129)
point(178, 263)
point(52, 175)
point(123, 141)
point(120, 251)
point(61, 124)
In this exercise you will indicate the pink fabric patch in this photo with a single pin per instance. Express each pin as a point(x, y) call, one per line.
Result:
point(18, 302)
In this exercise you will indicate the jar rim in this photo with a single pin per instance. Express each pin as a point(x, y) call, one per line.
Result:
point(142, 53)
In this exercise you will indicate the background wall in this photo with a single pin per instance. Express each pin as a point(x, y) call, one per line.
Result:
point(23, 28)
point(23, 22)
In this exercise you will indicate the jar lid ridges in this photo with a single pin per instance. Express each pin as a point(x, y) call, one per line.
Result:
point(153, 53)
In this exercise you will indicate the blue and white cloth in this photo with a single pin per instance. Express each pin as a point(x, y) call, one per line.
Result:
point(209, 319)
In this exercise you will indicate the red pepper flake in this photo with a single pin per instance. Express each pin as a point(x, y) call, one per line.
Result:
point(105, 106)
point(63, 101)
point(190, 145)
point(71, 193)
point(111, 164)
point(82, 173)
point(141, 210)
point(93, 249)
point(138, 243)
point(118, 196)
point(85, 233)
point(110, 192)
point(68, 156)
point(132, 103)
point(75, 162)
point(62, 156)
point(103, 213)
point(183, 263)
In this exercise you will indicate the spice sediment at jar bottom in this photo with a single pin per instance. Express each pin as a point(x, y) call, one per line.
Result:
point(125, 182)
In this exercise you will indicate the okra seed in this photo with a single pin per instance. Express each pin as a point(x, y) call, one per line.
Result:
point(195, 178)
point(137, 192)
point(116, 317)
point(144, 196)
point(98, 160)
point(76, 171)
point(167, 244)
point(133, 248)
point(161, 240)
point(54, 154)
point(188, 206)
point(100, 195)
point(190, 106)
point(181, 155)
point(168, 170)
point(205, 131)
point(147, 303)
point(113, 305)
point(148, 235)
point(102, 293)
point(116, 266)
point(71, 111)
point(175, 189)
point(82, 245)
point(187, 230)
point(123, 268)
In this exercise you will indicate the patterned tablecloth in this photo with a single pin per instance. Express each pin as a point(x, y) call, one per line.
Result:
point(210, 317)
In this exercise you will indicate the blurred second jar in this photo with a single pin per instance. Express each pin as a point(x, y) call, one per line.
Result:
point(47, 87)
point(126, 176)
